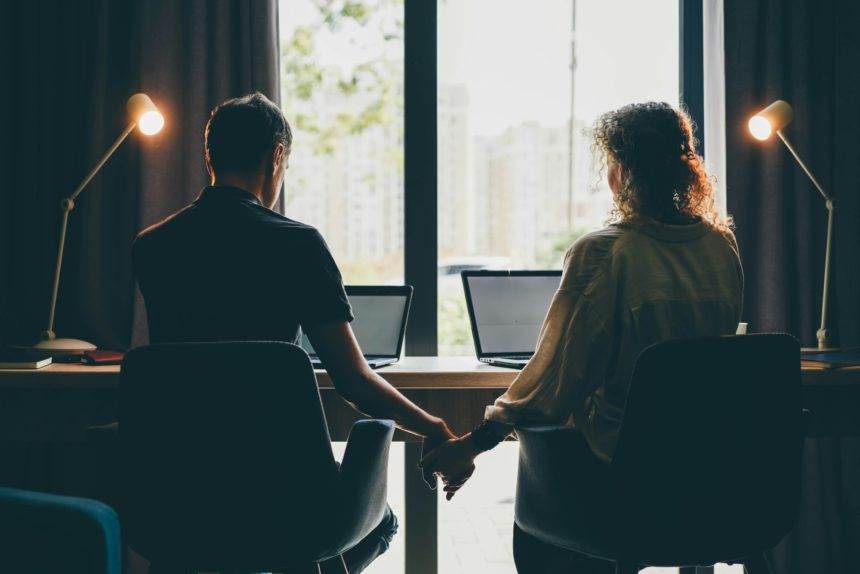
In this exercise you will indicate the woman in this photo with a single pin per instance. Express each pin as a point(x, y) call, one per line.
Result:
point(666, 267)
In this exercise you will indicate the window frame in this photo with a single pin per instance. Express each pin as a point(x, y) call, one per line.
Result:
point(420, 234)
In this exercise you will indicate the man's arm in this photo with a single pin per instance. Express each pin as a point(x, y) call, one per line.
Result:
point(353, 378)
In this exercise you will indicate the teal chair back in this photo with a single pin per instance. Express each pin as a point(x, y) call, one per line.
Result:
point(41, 533)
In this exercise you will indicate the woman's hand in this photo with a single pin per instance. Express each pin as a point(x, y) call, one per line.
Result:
point(454, 460)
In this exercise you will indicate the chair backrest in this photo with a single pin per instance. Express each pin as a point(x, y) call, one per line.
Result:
point(49, 533)
point(708, 459)
point(226, 453)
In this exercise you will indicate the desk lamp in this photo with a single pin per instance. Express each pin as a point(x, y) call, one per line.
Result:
point(765, 123)
point(144, 115)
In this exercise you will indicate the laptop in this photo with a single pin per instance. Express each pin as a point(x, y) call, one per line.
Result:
point(506, 310)
point(379, 325)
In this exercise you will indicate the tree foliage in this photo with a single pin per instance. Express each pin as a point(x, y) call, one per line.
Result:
point(329, 103)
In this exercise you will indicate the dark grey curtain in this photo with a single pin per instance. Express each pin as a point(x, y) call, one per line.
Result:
point(65, 81)
point(68, 68)
point(195, 54)
point(805, 52)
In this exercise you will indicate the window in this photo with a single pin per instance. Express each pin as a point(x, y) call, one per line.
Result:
point(342, 91)
point(513, 180)
point(517, 183)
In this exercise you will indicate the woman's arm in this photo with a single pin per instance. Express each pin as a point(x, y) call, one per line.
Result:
point(569, 362)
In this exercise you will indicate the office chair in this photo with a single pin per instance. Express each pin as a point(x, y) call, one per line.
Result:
point(227, 462)
point(50, 533)
point(707, 467)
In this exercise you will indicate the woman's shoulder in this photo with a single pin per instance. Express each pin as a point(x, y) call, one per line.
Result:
point(589, 256)
point(596, 244)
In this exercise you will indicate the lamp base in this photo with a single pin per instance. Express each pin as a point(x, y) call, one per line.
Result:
point(64, 346)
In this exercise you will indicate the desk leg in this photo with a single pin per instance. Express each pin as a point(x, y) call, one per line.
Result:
point(421, 517)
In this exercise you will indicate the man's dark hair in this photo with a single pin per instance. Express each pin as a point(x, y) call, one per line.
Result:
point(242, 131)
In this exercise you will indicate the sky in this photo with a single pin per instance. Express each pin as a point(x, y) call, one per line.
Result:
point(514, 55)
point(516, 61)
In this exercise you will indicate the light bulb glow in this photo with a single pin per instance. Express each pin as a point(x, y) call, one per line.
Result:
point(151, 122)
point(760, 128)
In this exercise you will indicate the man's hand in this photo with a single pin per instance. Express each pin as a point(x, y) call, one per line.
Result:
point(454, 460)
point(431, 441)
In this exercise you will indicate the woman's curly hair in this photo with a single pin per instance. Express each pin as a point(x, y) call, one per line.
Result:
point(662, 176)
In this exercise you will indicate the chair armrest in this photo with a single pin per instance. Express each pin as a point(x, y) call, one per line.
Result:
point(549, 455)
point(364, 478)
point(564, 491)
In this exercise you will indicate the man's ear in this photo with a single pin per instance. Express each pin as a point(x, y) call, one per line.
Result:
point(278, 156)
point(207, 164)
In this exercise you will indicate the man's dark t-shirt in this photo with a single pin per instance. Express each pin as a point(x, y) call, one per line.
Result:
point(226, 268)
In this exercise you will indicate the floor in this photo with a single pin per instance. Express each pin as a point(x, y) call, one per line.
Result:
point(475, 527)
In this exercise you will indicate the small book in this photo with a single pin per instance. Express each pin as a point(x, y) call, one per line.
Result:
point(102, 357)
point(23, 359)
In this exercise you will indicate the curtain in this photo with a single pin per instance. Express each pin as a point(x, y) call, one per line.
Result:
point(63, 104)
point(70, 66)
point(195, 54)
point(804, 52)
point(714, 78)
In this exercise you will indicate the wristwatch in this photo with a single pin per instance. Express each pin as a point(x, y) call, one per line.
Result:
point(488, 434)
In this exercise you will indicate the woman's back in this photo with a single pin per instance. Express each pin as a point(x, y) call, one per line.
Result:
point(644, 283)
point(667, 268)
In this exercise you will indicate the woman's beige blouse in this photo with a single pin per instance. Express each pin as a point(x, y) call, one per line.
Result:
point(624, 288)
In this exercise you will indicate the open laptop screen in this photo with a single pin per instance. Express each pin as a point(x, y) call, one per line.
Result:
point(507, 308)
point(380, 318)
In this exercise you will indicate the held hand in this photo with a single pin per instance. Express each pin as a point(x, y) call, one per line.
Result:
point(443, 431)
point(455, 484)
point(439, 434)
point(454, 460)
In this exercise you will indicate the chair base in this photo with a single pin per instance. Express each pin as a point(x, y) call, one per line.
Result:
point(753, 565)
point(757, 565)
point(166, 569)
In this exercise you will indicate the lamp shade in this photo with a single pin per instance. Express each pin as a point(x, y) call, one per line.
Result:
point(771, 119)
point(143, 112)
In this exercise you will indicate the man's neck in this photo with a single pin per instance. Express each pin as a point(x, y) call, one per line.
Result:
point(251, 185)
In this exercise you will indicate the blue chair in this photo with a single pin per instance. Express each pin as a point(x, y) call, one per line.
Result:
point(42, 533)
point(227, 461)
point(707, 467)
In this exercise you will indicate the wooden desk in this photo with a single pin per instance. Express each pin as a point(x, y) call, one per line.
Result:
point(53, 406)
point(58, 402)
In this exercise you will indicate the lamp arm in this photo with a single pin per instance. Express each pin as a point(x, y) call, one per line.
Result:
point(803, 166)
point(67, 205)
point(822, 331)
point(821, 335)
point(102, 161)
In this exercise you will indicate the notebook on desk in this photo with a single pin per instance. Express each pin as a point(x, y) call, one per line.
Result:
point(23, 358)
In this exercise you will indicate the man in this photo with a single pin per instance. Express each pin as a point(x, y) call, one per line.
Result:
point(227, 267)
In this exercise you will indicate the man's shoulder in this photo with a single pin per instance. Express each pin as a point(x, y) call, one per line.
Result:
point(257, 219)
point(151, 233)
point(281, 230)
point(282, 224)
